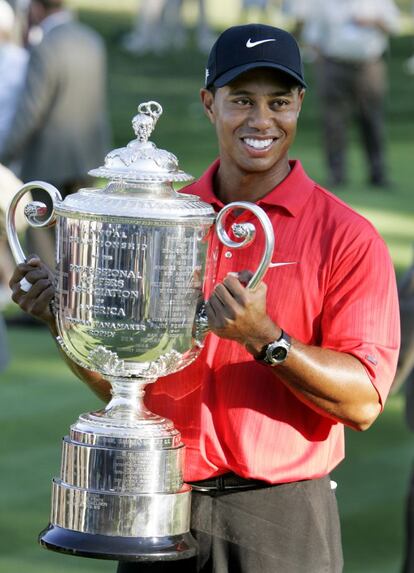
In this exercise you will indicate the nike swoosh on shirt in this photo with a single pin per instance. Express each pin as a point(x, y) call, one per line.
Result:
point(272, 265)
point(250, 44)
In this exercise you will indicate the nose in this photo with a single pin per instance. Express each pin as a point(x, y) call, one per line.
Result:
point(260, 117)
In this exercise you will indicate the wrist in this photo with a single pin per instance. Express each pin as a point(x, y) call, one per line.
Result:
point(275, 352)
point(257, 341)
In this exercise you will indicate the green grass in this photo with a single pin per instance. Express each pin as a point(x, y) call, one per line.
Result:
point(40, 398)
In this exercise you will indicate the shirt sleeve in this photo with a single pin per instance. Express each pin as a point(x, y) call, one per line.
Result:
point(361, 315)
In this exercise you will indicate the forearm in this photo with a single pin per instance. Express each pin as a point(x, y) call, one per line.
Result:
point(333, 383)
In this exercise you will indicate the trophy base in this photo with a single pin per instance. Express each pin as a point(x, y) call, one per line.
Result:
point(150, 549)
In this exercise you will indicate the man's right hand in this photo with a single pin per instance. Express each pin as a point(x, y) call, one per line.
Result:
point(36, 301)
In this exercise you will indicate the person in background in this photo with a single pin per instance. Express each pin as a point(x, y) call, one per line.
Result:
point(13, 64)
point(60, 129)
point(9, 185)
point(287, 365)
point(350, 39)
point(159, 27)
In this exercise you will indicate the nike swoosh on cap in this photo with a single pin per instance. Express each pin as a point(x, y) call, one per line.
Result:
point(250, 44)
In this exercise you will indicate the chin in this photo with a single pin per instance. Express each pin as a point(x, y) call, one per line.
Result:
point(258, 166)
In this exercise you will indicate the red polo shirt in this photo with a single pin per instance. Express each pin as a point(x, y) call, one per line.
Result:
point(340, 293)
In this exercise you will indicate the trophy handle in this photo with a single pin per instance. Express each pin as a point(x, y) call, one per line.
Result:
point(246, 232)
point(32, 212)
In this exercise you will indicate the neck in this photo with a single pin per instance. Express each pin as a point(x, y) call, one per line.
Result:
point(233, 185)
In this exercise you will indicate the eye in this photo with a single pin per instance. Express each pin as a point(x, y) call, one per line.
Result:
point(242, 101)
point(279, 103)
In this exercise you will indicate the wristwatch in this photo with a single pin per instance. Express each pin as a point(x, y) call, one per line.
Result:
point(275, 352)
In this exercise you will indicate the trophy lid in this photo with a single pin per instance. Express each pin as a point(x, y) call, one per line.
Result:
point(141, 178)
point(141, 161)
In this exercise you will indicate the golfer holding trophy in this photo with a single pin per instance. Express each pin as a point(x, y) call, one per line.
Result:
point(288, 364)
point(131, 264)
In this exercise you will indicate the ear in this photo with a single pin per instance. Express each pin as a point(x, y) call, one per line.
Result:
point(301, 95)
point(207, 100)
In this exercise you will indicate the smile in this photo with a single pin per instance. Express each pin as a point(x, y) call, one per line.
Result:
point(258, 143)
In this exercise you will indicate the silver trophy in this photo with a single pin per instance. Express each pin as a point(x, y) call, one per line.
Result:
point(131, 263)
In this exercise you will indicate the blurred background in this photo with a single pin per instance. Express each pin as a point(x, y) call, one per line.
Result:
point(39, 396)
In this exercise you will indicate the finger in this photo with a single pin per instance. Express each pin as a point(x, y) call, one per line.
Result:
point(213, 305)
point(23, 269)
point(19, 272)
point(214, 308)
point(235, 288)
point(28, 300)
point(37, 274)
point(224, 295)
point(41, 306)
point(31, 278)
point(222, 312)
point(245, 276)
point(25, 285)
point(33, 260)
point(37, 288)
point(210, 312)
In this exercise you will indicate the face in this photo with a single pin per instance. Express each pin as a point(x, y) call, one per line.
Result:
point(255, 117)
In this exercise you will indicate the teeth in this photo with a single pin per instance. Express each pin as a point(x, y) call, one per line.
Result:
point(258, 143)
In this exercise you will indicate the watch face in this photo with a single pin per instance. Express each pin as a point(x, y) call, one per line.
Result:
point(279, 353)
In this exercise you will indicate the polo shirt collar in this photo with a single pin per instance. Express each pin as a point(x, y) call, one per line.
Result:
point(291, 194)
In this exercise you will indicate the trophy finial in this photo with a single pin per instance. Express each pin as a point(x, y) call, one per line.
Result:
point(144, 122)
point(140, 161)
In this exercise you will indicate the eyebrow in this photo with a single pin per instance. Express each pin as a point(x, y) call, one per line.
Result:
point(278, 93)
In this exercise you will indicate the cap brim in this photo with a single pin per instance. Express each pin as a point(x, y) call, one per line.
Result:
point(232, 74)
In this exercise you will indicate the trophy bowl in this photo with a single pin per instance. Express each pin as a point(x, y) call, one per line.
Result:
point(132, 265)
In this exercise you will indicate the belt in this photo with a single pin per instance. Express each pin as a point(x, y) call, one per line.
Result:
point(227, 482)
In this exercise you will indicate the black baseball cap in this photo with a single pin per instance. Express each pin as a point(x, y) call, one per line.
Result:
point(242, 48)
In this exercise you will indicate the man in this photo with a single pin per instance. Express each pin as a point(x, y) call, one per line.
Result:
point(311, 349)
point(60, 128)
point(13, 62)
point(350, 39)
point(159, 28)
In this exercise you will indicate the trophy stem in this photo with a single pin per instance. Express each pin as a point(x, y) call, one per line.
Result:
point(127, 402)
